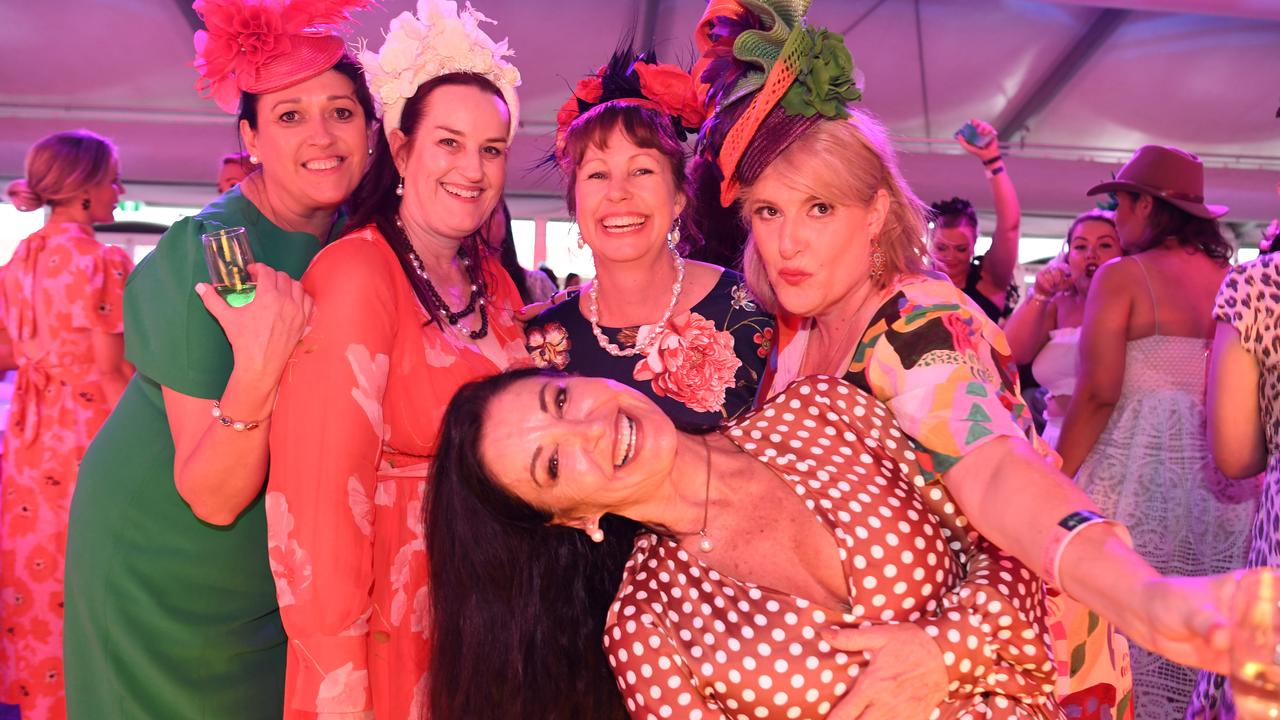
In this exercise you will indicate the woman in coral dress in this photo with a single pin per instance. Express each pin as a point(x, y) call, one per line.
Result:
point(407, 308)
point(60, 302)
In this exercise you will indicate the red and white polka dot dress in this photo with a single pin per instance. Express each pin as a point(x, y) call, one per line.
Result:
point(685, 641)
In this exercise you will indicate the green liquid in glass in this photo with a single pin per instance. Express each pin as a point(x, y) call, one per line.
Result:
point(237, 295)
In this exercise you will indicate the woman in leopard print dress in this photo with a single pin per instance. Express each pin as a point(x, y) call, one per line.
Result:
point(1244, 423)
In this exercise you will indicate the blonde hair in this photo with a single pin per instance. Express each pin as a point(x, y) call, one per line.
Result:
point(61, 166)
point(848, 162)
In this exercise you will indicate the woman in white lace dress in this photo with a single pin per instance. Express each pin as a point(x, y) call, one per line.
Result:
point(1134, 435)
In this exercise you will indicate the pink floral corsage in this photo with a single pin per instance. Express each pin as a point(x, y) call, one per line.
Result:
point(693, 363)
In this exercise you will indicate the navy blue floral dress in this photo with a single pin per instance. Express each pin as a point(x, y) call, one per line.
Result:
point(702, 372)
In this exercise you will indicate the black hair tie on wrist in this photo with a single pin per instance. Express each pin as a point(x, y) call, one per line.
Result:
point(993, 160)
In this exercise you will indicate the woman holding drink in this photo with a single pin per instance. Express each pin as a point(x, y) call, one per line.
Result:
point(171, 609)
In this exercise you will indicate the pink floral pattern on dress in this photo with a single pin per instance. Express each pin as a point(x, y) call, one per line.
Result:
point(74, 285)
point(290, 564)
point(693, 362)
point(354, 430)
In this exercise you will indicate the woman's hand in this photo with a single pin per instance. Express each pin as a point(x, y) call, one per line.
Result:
point(905, 679)
point(532, 310)
point(1186, 619)
point(1051, 280)
point(264, 333)
point(991, 149)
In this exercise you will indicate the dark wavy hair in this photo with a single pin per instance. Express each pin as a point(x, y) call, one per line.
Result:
point(1192, 232)
point(375, 201)
point(953, 213)
point(506, 249)
point(518, 605)
point(645, 127)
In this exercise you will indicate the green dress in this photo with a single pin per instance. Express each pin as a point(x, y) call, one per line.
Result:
point(167, 616)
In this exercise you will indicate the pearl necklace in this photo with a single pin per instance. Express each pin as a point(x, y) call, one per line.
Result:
point(593, 312)
point(474, 303)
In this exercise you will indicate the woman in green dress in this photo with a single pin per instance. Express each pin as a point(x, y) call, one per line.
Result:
point(170, 604)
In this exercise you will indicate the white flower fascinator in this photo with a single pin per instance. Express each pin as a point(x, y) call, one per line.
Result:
point(437, 41)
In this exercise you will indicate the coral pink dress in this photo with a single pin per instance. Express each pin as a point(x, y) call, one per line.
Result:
point(61, 285)
point(352, 437)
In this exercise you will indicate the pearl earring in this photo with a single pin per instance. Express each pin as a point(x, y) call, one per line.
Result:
point(400, 188)
point(596, 534)
point(254, 159)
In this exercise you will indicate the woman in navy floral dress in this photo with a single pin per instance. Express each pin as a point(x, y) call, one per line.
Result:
point(686, 334)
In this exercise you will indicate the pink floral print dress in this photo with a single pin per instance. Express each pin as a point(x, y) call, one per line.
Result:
point(60, 287)
point(353, 433)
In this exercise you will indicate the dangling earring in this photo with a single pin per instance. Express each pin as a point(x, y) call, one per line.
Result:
point(85, 204)
point(581, 243)
point(879, 261)
point(254, 159)
point(673, 237)
point(595, 533)
point(371, 152)
point(400, 187)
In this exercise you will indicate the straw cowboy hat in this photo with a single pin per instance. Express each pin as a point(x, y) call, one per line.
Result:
point(1173, 175)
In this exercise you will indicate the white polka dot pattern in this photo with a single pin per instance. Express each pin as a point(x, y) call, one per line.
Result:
point(685, 641)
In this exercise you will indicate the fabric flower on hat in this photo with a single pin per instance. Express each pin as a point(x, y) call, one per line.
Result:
point(244, 35)
point(672, 89)
point(436, 41)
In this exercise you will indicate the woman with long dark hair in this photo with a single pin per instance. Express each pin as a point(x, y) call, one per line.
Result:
point(408, 306)
point(170, 606)
point(565, 509)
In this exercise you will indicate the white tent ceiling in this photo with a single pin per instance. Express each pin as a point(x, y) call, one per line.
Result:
point(1074, 85)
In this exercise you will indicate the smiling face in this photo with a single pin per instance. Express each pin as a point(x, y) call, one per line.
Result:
point(816, 251)
point(311, 140)
point(626, 199)
point(1092, 243)
point(577, 447)
point(455, 164)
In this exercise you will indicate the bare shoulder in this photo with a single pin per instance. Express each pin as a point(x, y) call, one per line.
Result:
point(700, 278)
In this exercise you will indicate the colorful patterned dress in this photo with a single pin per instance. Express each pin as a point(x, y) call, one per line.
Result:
point(61, 287)
point(686, 641)
point(352, 437)
point(944, 369)
point(706, 370)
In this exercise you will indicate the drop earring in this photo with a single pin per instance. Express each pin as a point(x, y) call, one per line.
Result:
point(879, 261)
point(595, 533)
point(400, 187)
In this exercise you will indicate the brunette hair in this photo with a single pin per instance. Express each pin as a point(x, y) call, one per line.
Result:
point(238, 158)
point(847, 161)
point(61, 166)
point(954, 213)
point(1193, 232)
point(520, 605)
point(507, 252)
point(375, 201)
point(644, 126)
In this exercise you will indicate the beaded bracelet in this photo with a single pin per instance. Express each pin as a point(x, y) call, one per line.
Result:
point(237, 425)
point(993, 159)
point(1064, 532)
point(992, 172)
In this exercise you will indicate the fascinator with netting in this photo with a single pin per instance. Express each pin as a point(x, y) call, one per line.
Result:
point(261, 46)
point(638, 79)
point(766, 76)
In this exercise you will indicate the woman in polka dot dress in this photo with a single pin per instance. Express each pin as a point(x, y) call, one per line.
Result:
point(720, 613)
